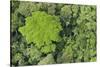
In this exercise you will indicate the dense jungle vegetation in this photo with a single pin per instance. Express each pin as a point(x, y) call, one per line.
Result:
point(52, 33)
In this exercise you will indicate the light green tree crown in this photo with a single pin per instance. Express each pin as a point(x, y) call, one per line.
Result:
point(42, 29)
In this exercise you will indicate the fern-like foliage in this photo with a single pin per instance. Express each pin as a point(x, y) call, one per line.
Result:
point(42, 29)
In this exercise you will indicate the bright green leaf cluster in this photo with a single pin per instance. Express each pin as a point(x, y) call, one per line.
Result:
point(42, 29)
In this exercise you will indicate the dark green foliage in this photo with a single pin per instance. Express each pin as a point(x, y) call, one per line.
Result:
point(67, 55)
point(17, 20)
point(26, 8)
point(47, 33)
point(34, 54)
point(14, 5)
point(52, 9)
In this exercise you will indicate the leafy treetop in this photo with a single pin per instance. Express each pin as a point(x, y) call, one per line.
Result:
point(42, 29)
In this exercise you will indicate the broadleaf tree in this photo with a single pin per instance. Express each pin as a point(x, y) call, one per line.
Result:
point(42, 29)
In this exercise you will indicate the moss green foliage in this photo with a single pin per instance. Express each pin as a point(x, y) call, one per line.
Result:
point(42, 29)
point(47, 60)
point(26, 8)
point(34, 54)
point(48, 33)
point(67, 55)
